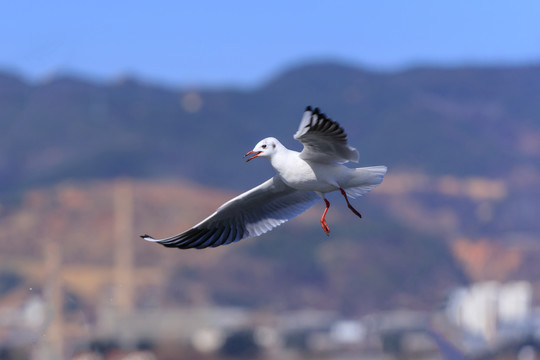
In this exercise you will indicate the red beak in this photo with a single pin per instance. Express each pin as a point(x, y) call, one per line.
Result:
point(257, 153)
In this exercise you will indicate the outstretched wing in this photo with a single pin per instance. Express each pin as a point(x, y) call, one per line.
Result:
point(324, 140)
point(250, 214)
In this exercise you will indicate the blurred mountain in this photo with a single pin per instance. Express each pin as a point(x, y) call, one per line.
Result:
point(459, 203)
point(463, 121)
point(365, 265)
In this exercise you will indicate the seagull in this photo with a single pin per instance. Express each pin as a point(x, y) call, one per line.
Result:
point(301, 179)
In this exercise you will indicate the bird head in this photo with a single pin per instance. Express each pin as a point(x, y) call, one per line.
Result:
point(264, 148)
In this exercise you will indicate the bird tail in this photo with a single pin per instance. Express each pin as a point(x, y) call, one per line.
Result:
point(364, 180)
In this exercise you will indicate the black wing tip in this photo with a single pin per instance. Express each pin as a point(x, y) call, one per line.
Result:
point(316, 111)
point(322, 123)
point(194, 238)
point(173, 245)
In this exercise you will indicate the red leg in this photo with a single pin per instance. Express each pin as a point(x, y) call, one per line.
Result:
point(348, 204)
point(323, 220)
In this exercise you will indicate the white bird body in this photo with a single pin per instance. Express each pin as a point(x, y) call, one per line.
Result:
point(302, 178)
point(321, 177)
point(305, 175)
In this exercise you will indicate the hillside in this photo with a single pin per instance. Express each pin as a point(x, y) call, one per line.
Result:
point(294, 266)
point(459, 203)
point(465, 121)
point(407, 251)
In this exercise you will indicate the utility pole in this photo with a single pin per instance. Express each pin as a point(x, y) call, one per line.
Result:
point(53, 345)
point(123, 255)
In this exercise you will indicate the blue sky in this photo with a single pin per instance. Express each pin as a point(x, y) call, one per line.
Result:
point(242, 43)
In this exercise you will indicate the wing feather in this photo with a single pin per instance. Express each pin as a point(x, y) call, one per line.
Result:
point(250, 214)
point(324, 140)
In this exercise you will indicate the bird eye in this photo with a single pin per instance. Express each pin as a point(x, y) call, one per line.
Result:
point(264, 146)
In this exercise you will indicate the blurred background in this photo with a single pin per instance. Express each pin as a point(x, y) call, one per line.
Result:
point(124, 118)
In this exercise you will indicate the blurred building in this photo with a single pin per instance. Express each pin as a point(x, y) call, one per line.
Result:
point(492, 313)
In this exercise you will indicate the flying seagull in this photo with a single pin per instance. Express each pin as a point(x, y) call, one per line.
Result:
point(301, 179)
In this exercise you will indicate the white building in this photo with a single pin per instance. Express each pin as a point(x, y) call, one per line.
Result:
point(491, 311)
